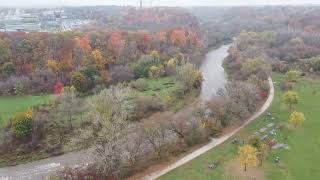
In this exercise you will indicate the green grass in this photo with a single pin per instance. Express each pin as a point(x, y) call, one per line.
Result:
point(300, 162)
point(162, 87)
point(9, 105)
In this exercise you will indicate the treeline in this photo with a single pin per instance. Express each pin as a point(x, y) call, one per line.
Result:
point(283, 50)
point(84, 59)
point(222, 24)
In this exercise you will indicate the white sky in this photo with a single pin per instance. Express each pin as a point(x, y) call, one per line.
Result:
point(37, 3)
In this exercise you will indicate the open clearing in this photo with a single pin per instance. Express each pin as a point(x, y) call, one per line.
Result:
point(9, 105)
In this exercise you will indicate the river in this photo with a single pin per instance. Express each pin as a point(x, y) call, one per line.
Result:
point(213, 73)
point(214, 79)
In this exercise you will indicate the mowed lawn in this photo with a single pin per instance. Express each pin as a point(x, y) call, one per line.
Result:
point(300, 162)
point(9, 105)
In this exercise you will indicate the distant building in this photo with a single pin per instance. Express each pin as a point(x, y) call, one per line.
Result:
point(18, 21)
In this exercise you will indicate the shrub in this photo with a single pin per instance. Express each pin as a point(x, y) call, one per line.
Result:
point(146, 105)
point(280, 67)
point(286, 86)
point(292, 76)
point(142, 66)
point(156, 71)
point(197, 134)
point(316, 63)
point(121, 74)
point(178, 90)
point(140, 84)
point(22, 124)
point(8, 69)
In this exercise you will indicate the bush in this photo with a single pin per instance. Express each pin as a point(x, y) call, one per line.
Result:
point(178, 90)
point(142, 66)
point(280, 67)
point(22, 124)
point(146, 105)
point(292, 76)
point(140, 84)
point(121, 74)
point(156, 71)
point(197, 134)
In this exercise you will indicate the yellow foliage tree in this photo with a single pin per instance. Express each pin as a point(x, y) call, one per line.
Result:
point(248, 156)
point(296, 118)
point(290, 98)
point(99, 60)
point(172, 62)
point(53, 65)
point(292, 76)
point(156, 71)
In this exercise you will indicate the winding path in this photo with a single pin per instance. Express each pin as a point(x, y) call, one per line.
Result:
point(215, 141)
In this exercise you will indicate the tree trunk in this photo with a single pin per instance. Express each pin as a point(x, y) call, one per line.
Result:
point(70, 119)
point(245, 168)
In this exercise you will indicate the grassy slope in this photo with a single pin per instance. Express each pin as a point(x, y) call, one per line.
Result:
point(9, 105)
point(300, 162)
point(163, 88)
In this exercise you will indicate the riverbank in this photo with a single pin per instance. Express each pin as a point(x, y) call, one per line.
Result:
point(214, 142)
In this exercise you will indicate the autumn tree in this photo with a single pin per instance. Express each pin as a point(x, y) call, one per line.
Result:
point(256, 66)
point(261, 147)
point(248, 156)
point(79, 81)
point(5, 52)
point(22, 124)
point(115, 44)
point(190, 77)
point(178, 37)
point(99, 60)
point(58, 88)
point(290, 98)
point(296, 118)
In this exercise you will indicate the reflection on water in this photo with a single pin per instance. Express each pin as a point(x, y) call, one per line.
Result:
point(213, 72)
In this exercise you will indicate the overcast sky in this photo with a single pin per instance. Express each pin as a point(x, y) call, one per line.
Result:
point(153, 2)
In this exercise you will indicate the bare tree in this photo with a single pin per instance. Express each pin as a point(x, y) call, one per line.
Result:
point(69, 105)
point(156, 132)
point(109, 111)
point(135, 145)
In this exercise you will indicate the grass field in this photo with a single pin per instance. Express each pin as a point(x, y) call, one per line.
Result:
point(162, 87)
point(9, 105)
point(300, 162)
